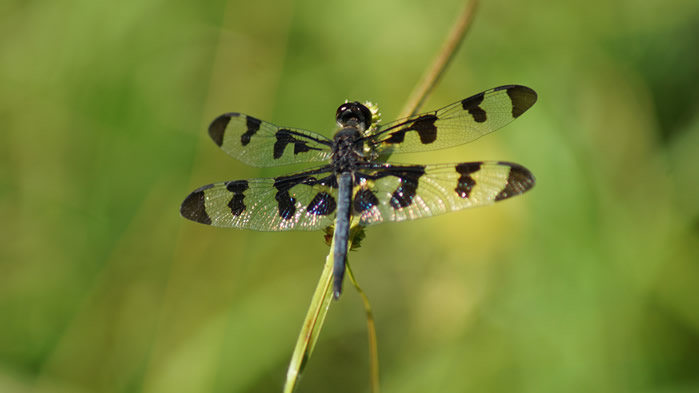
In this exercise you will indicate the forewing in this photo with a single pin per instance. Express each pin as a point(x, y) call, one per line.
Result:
point(387, 192)
point(261, 144)
point(455, 124)
point(303, 201)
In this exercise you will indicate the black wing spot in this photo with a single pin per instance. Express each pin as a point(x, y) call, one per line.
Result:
point(424, 125)
point(194, 206)
point(217, 128)
point(396, 137)
point(300, 147)
point(465, 184)
point(253, 126)
point(405, 193)
point(286, 204)
point(237, 187)
point(522, 99)
point(237, 203)
point(519, 181)
point(364, 200)
point(472, 105)
point(322, 204)
point(284, 138)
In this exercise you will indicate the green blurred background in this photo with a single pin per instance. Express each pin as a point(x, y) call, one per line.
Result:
point(588, 283)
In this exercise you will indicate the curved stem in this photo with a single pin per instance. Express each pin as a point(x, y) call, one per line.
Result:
point(431, 77)
point(371, 332)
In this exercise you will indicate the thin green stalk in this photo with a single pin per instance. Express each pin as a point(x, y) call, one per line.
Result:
point(322, 297)
point(371, 332)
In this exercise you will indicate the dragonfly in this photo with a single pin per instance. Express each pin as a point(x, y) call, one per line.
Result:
point(355, 182)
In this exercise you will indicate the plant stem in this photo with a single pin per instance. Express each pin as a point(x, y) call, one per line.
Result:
point(446, 54)
point(322, 296)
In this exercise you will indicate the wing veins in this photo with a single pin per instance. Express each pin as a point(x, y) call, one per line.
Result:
point(306, 136)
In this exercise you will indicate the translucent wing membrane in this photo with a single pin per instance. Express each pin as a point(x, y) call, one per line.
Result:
point(386, 192)
point(455, 124)
point(372, 191)
point(381, 192)
point(302, 201)
point(261, 144)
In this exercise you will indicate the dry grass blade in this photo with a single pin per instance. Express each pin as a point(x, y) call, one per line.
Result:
point(312, 324)
point(431, 77)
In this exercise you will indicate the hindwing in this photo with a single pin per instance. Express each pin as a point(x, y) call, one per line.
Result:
point(302, 201)
point(390, 192)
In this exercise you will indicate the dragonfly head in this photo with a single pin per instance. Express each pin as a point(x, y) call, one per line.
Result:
point(353, 114)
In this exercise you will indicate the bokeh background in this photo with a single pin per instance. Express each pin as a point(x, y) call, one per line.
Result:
point(588, 283)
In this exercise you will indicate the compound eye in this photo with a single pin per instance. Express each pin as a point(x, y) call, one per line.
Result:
point(366, 115)
point(344, 113)
point(353, 112)
point(347, 115)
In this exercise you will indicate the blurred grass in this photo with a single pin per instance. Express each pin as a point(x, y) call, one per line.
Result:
point(588, 283)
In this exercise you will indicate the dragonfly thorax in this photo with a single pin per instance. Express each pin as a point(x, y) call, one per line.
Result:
point(346, 152)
